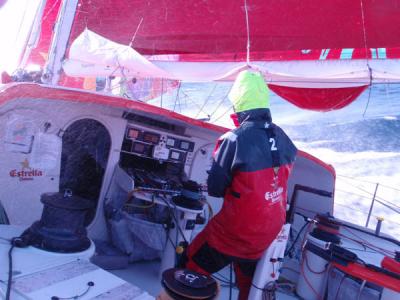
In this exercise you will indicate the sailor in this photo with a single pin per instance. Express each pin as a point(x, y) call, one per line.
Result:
point(250, 171)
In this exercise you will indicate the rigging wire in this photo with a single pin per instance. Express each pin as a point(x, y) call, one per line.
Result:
point(220, 103)
point(378, 199)
point(366, 56)
point(363, 212)
point(248, 33)
point(206, 101)
point(192, 101)
point(162, 91)
point(391, 205)
point(223, 114)
point(371, 194)
point(51, 10)
point(177, 94)
point(366, 181)
point(369, 92)
point(136, 31)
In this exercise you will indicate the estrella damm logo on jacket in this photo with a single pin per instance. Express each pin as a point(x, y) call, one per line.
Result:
point(275, 195)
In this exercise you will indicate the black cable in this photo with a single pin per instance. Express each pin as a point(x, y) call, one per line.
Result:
point(169, 239)
point(175, 219)
point(15, 242)
point(10, 270)
point(297, 237)
point(89, 284)
point(269, 287)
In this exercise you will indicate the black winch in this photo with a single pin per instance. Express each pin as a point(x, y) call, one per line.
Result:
point(61, 227)
point(183, 284)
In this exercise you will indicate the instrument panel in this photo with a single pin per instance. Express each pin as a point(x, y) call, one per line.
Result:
point(155, 145)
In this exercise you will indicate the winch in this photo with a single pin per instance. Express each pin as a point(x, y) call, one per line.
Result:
point(61, 227)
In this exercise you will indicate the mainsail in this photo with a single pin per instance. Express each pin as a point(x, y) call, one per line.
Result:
point(317, 55)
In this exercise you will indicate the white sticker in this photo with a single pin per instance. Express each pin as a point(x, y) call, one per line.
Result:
point(19, 134)
point(46, 151)
point(161, 152)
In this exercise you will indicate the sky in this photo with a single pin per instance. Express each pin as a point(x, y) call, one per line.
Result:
point(16, 18)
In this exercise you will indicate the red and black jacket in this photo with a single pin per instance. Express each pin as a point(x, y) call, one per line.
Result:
point(250, 170)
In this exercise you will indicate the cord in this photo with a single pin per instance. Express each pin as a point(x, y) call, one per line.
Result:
point(268, 290)
point(307, 281)
point(15, 242)
point(10, 270)
point(297, 237)
point(89, 284)
point(130, 195)
point(175, 219)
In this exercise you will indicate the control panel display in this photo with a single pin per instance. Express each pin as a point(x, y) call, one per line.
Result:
point(133, 133)
point(140, 148)
point(171, 142)
point(177, 156)
point(186, 145)
point(151, 138)
point(158, 146)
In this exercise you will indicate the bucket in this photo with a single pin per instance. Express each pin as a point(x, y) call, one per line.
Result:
point(315, 264)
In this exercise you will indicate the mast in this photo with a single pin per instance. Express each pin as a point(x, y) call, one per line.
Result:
point(34, 35)
point(59, 42)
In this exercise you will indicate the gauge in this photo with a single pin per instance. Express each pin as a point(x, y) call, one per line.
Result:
point(140, 148)
point(132, 133)
point(177, 156)
point(150, 137)
point(186, 145)
point(171, 142)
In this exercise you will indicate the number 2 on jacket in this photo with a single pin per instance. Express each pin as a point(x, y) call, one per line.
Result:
point(273, 147)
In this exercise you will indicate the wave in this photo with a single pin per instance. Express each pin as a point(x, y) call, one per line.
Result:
point(380, 134)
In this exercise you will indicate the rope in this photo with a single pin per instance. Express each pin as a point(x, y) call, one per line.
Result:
point(307, 280)
point(367, 244)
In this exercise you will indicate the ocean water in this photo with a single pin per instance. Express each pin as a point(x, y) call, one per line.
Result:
point(361, 141)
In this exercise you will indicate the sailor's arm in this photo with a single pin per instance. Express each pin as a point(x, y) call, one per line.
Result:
point(220, 174)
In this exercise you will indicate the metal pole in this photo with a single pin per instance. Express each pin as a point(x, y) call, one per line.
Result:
point(372, 205)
